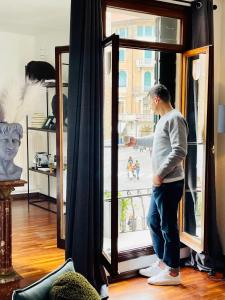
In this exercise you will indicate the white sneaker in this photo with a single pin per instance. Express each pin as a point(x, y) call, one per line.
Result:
point(153, 270)
point(164, 278)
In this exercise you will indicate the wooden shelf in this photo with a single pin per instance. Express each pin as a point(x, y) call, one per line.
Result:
point(52, 84)
point(41, 129)
point(43, 172)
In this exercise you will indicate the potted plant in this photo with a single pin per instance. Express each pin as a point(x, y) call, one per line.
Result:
point(124, 204)
point(132, 219)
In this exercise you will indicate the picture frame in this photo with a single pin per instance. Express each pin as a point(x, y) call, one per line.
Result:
point(49, 123)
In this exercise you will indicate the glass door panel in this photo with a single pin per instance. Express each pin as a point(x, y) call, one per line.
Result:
point(129, 74)
point(193, 203)
point(62, 71)
point(138, 72)
point(64, 100)
point(136, 77)
point(194, 103)
point(110, 138)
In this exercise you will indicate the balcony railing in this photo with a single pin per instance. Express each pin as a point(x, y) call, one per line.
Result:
point(133, 208)
point(135, 117)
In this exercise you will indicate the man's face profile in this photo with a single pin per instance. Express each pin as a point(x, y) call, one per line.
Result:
point(9, 145)
point(153, 105)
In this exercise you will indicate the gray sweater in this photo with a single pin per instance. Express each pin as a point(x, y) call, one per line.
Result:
point(169, 146)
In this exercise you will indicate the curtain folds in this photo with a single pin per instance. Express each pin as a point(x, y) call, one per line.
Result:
point(84, 218)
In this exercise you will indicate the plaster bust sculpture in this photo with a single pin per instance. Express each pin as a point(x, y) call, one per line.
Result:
point(10, 136)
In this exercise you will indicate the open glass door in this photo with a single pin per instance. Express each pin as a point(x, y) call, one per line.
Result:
point(110, 145)
point(194, 107)
point(129, 73)
point(62, 76)
point(145, 53)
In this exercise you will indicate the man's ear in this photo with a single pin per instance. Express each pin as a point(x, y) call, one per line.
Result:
point(157, 99)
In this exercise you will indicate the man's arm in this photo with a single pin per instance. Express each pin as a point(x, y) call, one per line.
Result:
point(178, 131)
point(146, 141)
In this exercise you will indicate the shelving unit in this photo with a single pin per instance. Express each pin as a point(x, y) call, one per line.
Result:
point(60, 135)
point(41, 197)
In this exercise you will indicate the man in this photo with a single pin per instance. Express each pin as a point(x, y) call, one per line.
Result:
point(169, 148)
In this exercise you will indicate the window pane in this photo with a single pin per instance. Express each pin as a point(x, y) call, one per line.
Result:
point(107, 148)
point(197, 93)
point(193, 200)
point(141, 26)
point(134, 163)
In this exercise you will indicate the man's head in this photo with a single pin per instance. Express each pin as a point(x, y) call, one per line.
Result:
point(159, 96)
point(10, 136)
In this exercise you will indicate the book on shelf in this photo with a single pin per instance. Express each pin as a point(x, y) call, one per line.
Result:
point(38, 120)
point(49, 80)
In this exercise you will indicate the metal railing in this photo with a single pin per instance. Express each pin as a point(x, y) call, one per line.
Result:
point(133, 205)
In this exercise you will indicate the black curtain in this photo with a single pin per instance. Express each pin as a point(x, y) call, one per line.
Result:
point(84, 211)
point(202, 35)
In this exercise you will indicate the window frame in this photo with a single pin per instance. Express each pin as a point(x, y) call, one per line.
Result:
point(159, 9)
point(154, 8)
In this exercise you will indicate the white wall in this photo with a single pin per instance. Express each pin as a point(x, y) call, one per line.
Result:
point(46, 43)
point(45, 50)
point(219, 25)
point(16, 50)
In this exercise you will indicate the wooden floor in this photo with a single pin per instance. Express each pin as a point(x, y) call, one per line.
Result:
point(34, 245)
point(195, 285)
point(35, 254)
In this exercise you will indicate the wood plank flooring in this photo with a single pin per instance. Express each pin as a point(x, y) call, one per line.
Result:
point(195, 286)
point(35, 254)
point(34, 245)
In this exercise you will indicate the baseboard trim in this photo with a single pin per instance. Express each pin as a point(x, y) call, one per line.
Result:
point(35, 195)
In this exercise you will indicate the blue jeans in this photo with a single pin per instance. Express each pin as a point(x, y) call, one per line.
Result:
point(162, 222)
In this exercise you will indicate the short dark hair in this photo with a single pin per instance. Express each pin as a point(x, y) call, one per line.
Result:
point(161, 91)
point(6, 128)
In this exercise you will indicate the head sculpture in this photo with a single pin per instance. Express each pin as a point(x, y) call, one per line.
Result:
point(10, 136)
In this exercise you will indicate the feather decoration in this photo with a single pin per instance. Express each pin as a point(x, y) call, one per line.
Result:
point(18, 100)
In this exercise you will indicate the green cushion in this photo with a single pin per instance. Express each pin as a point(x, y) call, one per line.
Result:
point(40, 289)
point(73, 286)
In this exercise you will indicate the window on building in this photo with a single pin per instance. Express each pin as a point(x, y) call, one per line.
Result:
point(140, 31)
point(122, 32)
point(122, 55)
point(148, 55)
point(148, 30)
point(147, 81)
point(145, 31)
point(122, 79)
